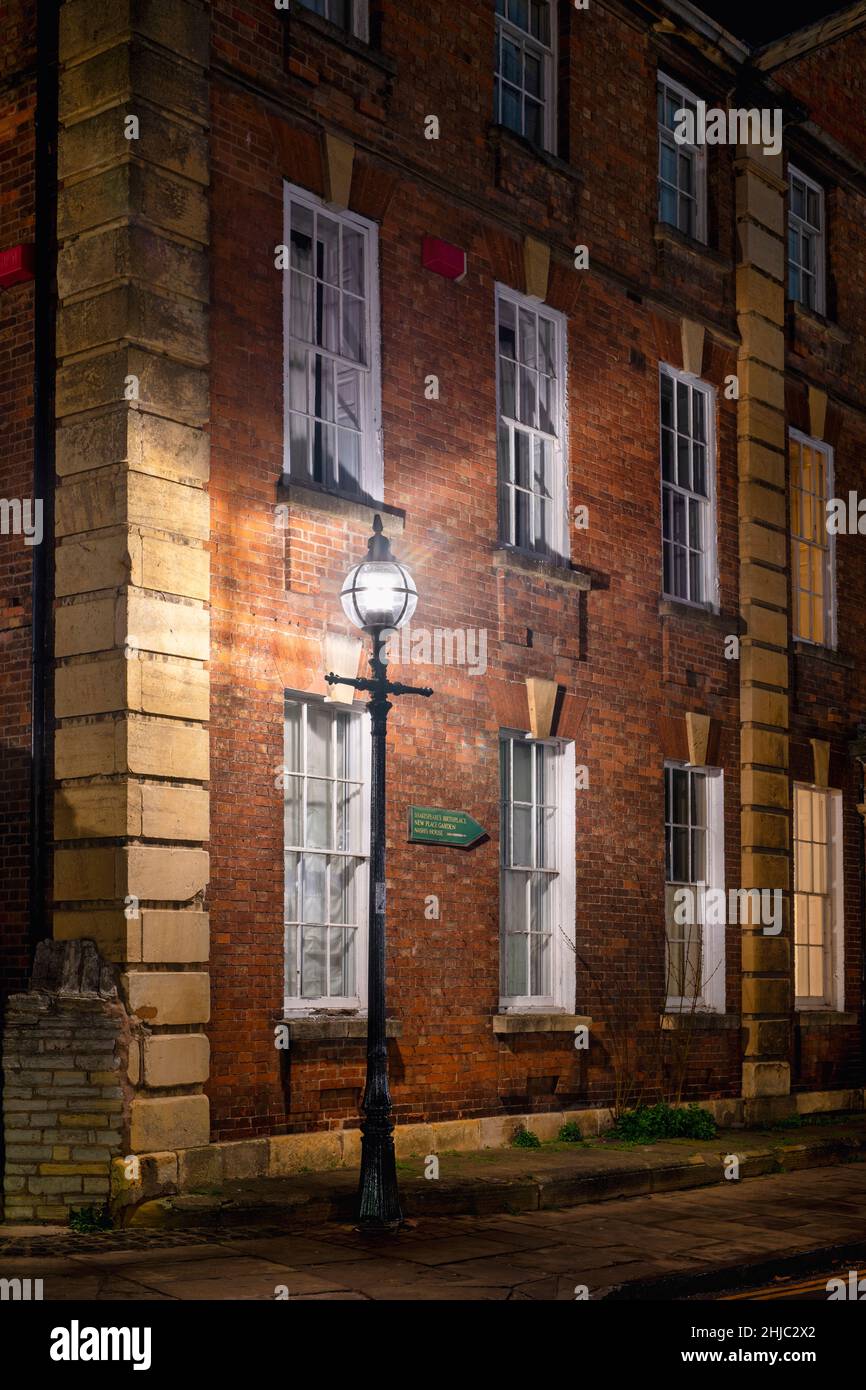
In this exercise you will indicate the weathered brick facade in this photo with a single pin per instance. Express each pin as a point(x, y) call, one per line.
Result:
point(167, 272)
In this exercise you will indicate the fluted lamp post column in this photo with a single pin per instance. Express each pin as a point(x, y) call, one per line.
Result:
point(378, 596)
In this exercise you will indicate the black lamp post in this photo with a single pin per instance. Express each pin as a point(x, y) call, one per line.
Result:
point(378, 596)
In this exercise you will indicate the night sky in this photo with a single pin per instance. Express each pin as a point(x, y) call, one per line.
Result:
point(759, 22)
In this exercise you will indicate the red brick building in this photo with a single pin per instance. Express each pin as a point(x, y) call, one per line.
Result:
point(601, 377)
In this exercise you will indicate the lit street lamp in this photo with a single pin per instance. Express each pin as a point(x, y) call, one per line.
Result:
point(379, 595)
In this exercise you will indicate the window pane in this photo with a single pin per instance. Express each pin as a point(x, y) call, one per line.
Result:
point(546, 347)
point(301, 307)
point(327, 249)
point(299, 445)
point(668, 456)
point(353, 328)
point(348, 397)
point(539, 962)
point(301, 238)
point(687, 173)
point(353, 261)
point(516, 973)
point(298, 379)
point(313, 887)
point(510, 61)
point(511, 112)
point(350, 812)
point(313, 963)
point(507, 376)
point(292, 898)
point(667, 204)
point(532, 75)
point(518, 13)
point(522, 764)
point(533, 121)
point(527, 410)
point(319, 829)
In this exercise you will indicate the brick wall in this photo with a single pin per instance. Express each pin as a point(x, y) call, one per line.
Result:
point(274, 593)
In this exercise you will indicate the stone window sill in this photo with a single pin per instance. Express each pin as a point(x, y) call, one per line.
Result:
point(677, 608)
point(539, 1023)
point(306, 498)
point(666, 235)
point(799, 317)
point(506, 137)
point(818, 653)
point(340, 38)
point(510, 558)
point(326, 1029)
point(700, 1019)
point(825, 1018)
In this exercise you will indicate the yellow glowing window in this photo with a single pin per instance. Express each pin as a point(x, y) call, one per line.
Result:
point(811, 545)
point(817, 904)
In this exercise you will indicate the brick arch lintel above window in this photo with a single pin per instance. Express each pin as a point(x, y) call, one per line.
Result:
point(811, 411)
point(330, 166)
point(692, 738)
point(541, 707)
point(692, 347)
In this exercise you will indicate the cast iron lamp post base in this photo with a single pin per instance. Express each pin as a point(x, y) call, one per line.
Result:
point(378, 1197)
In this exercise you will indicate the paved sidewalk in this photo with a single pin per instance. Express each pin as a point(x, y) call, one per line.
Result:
point(540, 1255)
point(517, 1180)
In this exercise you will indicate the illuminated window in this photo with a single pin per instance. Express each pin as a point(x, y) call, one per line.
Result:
point(688, 469)
point(331, 314)
point(694, 860)
point(818, 898)
point(326, 839)
point(531, 438)
point(812, 547)
point(537, 875)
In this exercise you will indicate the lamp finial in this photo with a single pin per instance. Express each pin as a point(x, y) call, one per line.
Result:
point(378, 546)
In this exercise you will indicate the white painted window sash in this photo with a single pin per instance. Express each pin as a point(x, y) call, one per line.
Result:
point(697, 153)
point(370, 479)
point(547, 55)
point(833, 940)
point(798, 442)
point(295, 1004)
point(711, 998)
point(802, 227)
point(562, 876)
point(709, 553)
point(560, 539)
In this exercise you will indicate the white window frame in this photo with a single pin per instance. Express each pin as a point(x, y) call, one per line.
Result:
point(560, 535)
point(710, 566)
point(548, 55)
point(297, 1006)
point(370, 481)
point(712, 996)
point(359, 18)
point(801, 441)
point(562, 969)
point(819, 232)
point(699, 153)
point(833, 997)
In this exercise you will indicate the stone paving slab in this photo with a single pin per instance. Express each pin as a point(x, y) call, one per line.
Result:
point(662, 1245)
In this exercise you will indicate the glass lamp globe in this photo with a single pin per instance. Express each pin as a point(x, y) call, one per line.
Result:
point(380, 592)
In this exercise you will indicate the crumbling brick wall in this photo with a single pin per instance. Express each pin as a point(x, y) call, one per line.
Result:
point(66, 1091)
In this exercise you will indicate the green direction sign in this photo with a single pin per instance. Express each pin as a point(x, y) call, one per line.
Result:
point(430, 825)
